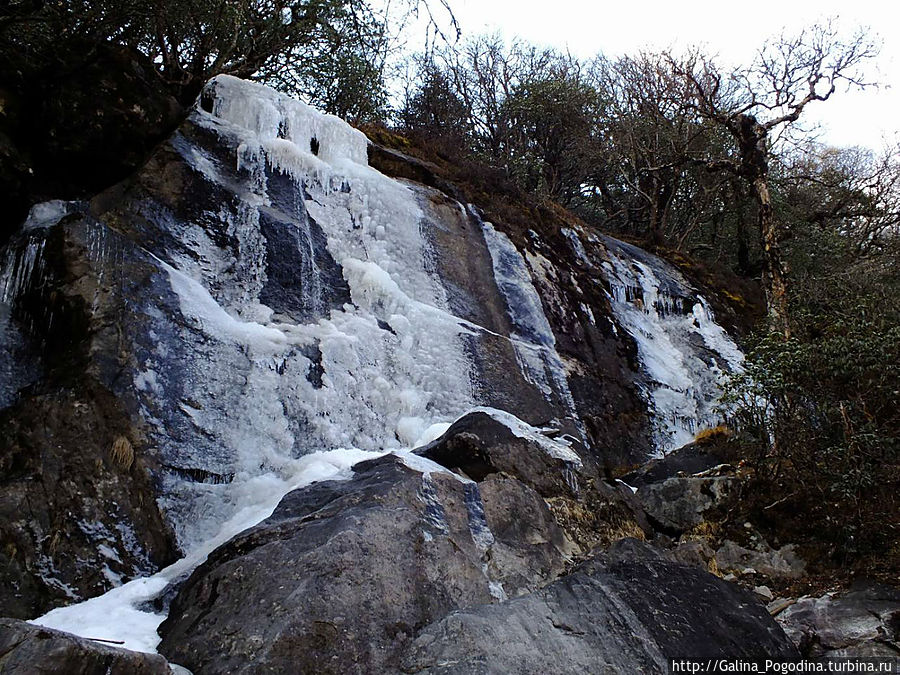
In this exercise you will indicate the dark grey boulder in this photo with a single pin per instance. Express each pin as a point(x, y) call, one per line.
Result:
point(627, 612)
point(344, 574)
point(477, 445)
point(399, 570)
point(699, 457)
point(678, 505)
point(591, 511)
point(25, 648)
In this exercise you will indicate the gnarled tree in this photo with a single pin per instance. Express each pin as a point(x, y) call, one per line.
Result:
point(765, 101)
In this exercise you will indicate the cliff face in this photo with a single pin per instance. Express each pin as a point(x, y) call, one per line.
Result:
point(179, 346)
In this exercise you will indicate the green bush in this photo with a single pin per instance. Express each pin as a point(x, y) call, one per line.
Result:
point(820, 412)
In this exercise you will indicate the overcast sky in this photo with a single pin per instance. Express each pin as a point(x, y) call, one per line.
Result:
point(625, 27)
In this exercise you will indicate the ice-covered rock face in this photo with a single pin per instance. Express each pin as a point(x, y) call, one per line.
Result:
point(257, 293)
point(683, 352)
point(352, 348)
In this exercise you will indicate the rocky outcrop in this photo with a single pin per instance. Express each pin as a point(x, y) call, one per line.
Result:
point(410, 567)
point(78, 510)
point(33, 649)
point(344, 574)
point(627, 611)
point(591, 511)
point(861, 622)
point(255, 292)
point(701, 457)
point(693, 497)
point(782, 563)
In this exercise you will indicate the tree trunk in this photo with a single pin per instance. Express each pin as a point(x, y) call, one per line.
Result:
point(775, 277)
point(753, 141)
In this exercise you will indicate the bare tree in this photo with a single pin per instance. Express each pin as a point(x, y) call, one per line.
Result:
point(766, 101)
point(652, 132)
point(850, 190)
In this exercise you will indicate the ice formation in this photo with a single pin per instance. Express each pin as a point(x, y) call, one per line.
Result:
point(259, 392)
point(533, 339)
point(123, 614)
point(683, 351)
point(246, 401)
point(376, 373)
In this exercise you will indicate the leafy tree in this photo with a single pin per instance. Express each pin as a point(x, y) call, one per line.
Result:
point(335, 49)
point(553, 141)
point(434, 107)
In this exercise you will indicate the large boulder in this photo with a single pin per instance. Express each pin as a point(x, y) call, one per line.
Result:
point(344, 574)
point(861, 622)
point(695, 458)
point(409, 566)
point(591, 511)
point(625, 612)
point(25, 648)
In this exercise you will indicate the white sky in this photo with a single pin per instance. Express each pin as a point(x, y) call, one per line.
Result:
point(626, 26)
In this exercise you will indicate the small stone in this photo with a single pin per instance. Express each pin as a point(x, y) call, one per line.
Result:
point(748, 570)
point(730, 577)
point(764, 592)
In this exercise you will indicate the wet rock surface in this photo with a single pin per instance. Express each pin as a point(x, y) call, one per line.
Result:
point(78, 510)
point(33, 649)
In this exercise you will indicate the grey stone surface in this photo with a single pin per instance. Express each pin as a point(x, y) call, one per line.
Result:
point(621, 613)
point(782, 563)
point(591, 511)
point(677, 505)
point(398, 570)
point(25, 648)
point(345, 573)
point(863, 621)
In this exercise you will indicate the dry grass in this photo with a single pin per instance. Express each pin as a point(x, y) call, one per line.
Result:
point(720, 432)
point(122, 452)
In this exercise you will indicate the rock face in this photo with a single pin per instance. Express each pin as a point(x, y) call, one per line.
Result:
point(862, 622)
point(619, 613)
point(257, 292)
point(361, 567)
point(77, 501)
point(783, 563)
point(409, 567)
point(32, 649)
